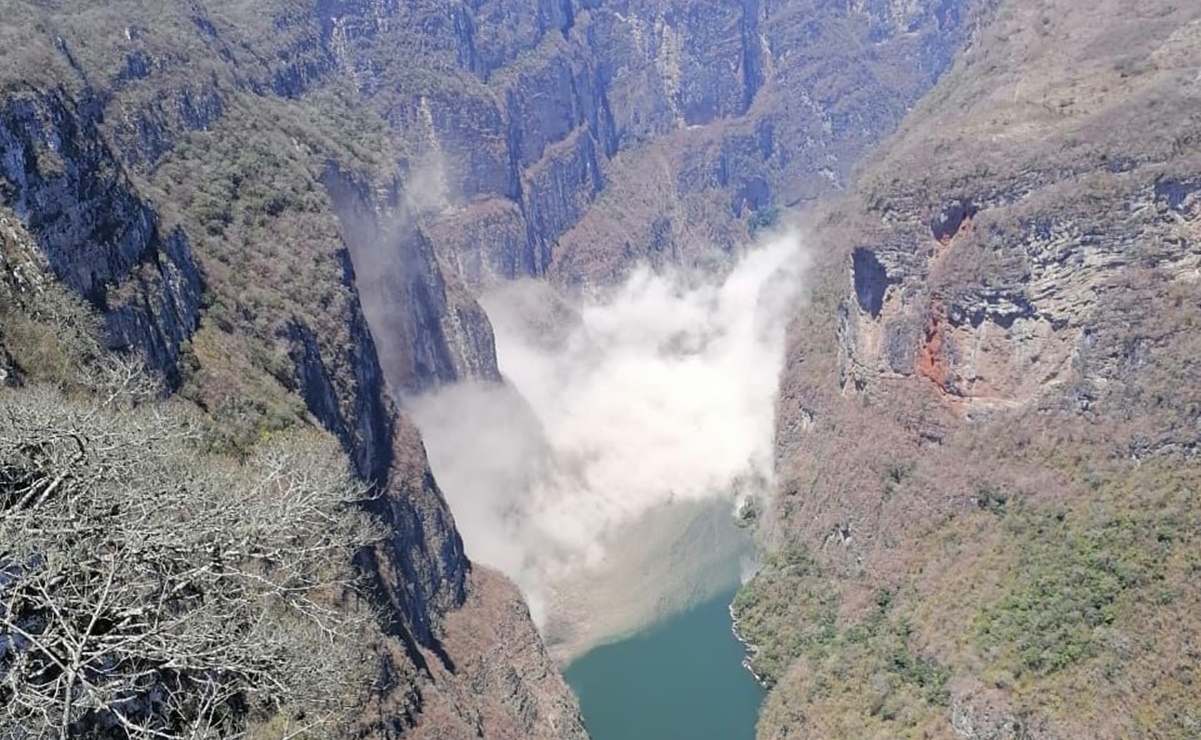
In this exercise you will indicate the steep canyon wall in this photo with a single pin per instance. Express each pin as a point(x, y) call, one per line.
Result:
point(287, 207)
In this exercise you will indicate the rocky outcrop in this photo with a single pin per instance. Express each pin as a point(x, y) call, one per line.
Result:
point(420, 570)
point(428, 329)
point(548, 107)
point(99, 236)
point(103, 240)
point(871, 280)
point(313, 311)
point(995, 371)
point(951, 219)
point(1005, 312)
point(775, 119)
point(148, 130)
point(431, 148)
point(508, 686)
point(8, 374)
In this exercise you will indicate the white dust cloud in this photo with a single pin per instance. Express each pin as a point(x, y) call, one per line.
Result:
point(662, 393)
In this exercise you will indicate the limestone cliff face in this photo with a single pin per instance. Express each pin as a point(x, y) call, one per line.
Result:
point(576, 138)
point(100, 237)
point(431, 331)
point(285, 207)
point(505, 685)
point(208, 220)
point(1000, 294)
point(989, 410)
point(420, 568)
point(105, 242)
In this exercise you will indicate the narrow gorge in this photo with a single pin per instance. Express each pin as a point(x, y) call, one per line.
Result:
point(868, 323)
point(625, 425)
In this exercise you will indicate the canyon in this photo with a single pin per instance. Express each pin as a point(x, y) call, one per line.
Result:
point(979, 500)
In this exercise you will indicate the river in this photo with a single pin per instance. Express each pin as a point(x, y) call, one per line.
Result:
point(680, 675)
point(679, 680)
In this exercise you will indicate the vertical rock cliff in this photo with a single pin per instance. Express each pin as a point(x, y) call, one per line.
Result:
point(205, 181)
point(571, 141)
point(286, 206)
point(987, 431)
point(99, 236)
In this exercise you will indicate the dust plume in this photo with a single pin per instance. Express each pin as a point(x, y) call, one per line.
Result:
point(646, 405)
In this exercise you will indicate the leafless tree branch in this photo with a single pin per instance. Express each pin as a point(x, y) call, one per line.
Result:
point(150, 591)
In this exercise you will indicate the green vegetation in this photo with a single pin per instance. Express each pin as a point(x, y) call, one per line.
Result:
point(786, 611)
point(1072, 577)
point(263, 229)
point(1025, 551)
point(992, 499)
point(1043, 570)
point(246, 188)
point(873, 665)
point(1040, 599)
point(896, 474)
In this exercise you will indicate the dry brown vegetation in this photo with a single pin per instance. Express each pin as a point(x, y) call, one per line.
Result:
point(1030, 568)
point(151, 591)
point(1026, 567)
point(149, 587)
point(223, 119)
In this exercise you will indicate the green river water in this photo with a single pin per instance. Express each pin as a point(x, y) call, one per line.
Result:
point(679, 680)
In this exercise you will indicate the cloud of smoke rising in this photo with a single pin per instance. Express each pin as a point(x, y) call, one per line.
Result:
point(660, 394)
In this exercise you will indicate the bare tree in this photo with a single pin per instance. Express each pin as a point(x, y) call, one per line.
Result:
point(150, 591)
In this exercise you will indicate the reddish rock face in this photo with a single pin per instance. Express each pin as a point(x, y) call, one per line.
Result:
point(931, 363)
point(1000, 396)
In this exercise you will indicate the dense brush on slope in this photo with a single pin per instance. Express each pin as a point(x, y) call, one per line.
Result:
point(175, 167)
point(988, 513)
point(986, 433)
point(279, 206)
point(149, 588)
